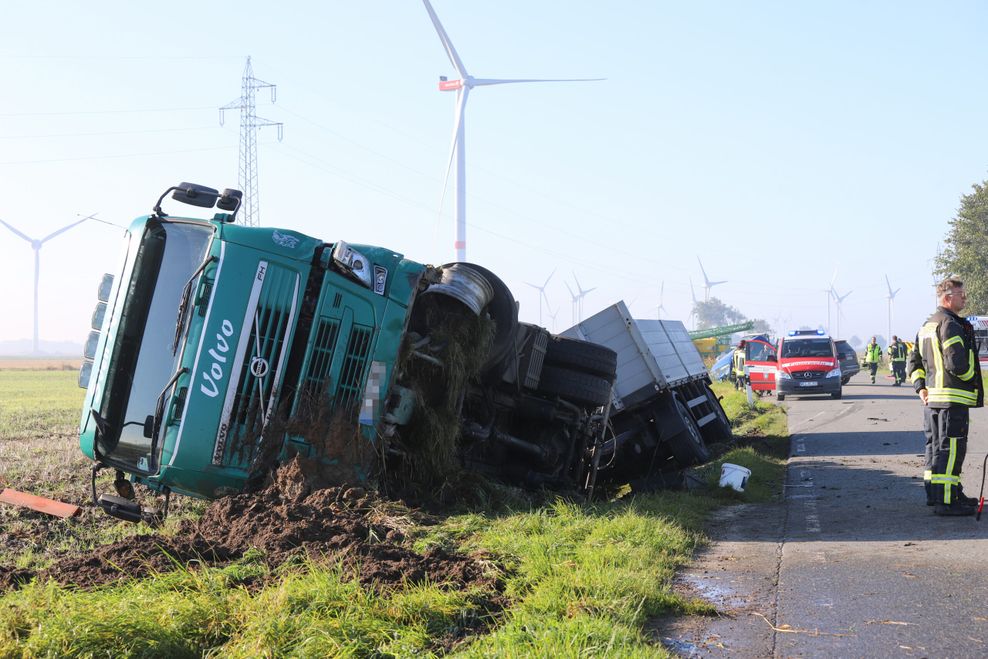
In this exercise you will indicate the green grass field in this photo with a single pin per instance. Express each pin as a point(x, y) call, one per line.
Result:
point(34, 403)
point(580, 579)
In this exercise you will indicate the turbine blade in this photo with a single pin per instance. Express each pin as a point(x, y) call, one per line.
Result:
point(548, 278)
point(570, 290)
point(62, 230)
point(486, 82)
point(454, 58)
point(706, 282)
point(834, 278)
point(16, 232)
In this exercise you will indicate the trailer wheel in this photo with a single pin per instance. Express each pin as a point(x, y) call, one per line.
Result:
point(584, 389)
point(688, 447)
point(582, 356)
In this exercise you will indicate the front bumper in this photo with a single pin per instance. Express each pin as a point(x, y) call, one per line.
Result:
point(796, 387)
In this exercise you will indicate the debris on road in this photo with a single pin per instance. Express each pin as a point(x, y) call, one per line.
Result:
point(40, 504)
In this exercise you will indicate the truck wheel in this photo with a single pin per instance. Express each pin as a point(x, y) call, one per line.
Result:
point(582, 356)
point(503, 311)
point(836, 395)
point(780, 397)
point(688, 447)
point(581, 388)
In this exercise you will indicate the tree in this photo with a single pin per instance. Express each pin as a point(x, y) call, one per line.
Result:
point(714, 313)
point(965, 252)
point(761, 326)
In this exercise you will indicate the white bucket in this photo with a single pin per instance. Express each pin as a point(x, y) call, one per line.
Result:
point(734, 476)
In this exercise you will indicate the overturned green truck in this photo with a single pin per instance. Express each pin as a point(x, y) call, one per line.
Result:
point(218, 351)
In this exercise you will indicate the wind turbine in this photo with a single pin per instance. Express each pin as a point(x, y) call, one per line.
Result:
point(36, 245)
point(707, 284)
point(581, 293)
point(661, 308)
point(462, 87)
point(695, 302)
point(542, 296)
point(553, 314)
point(838, 299)
point(891, 299)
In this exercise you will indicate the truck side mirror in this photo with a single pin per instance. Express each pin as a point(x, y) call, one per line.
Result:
point(194, 194)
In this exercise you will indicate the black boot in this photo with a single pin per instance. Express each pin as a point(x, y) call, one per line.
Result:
point(928, 486)
point(956, 509)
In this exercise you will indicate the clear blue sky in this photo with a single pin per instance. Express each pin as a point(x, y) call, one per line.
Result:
point(776, 140)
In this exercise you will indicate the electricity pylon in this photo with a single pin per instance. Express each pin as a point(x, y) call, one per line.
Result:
point(250, 123)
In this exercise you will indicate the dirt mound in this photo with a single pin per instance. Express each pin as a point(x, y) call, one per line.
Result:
point(295, 516)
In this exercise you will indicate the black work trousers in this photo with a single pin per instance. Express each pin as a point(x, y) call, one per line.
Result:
point(946, 432)
point(899, 371)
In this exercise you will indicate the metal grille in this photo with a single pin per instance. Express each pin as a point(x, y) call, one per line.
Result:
point(321, 359)
point(262, 357)
point(354, 367)
point(808, 375)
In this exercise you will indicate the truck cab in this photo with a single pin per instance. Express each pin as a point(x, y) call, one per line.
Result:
point(807, 365)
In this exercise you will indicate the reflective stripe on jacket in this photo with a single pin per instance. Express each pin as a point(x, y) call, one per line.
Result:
point(873, 354)
point(897, 352)
point(944, 361)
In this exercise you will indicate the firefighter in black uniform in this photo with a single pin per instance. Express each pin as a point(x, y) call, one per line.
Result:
point(944, 369)
point(897, 360)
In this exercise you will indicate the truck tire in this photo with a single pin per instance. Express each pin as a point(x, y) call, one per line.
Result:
point(836, 395)
point(780, 397)
point(583, 389)
point(584, 356)
point(688, 447)
point(503, 311)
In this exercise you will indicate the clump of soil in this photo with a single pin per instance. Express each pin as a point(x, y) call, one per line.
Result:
point(296, 516)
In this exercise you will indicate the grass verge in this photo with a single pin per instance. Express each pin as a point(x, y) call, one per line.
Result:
point(578, 579)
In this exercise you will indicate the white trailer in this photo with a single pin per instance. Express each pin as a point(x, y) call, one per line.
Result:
point(662, 407)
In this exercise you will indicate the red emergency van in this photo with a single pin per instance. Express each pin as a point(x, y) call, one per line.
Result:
point(807, 365)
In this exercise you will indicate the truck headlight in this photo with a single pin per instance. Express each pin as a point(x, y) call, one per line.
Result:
point(835, 373)
point(782, 375)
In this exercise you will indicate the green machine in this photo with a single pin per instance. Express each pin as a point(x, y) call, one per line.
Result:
point(213, 340)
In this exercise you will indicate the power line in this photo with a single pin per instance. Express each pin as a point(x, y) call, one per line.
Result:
point(104, 133)
point(93, 112)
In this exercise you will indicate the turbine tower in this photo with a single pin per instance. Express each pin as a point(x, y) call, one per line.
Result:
point(830, 295)
point(891, 299)
point(707, 284)
point(462, 87)
point(695, 302)
point(838, 299)
point(250, 123)
point(542, 295)
point(36, 245)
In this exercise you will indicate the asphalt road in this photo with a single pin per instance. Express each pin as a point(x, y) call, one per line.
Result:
point(852, 563)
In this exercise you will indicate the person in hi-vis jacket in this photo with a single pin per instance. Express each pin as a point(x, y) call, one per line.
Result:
point(945, 371)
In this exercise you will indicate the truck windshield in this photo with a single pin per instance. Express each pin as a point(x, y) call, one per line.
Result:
point(143, 362)
point(807, 348)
